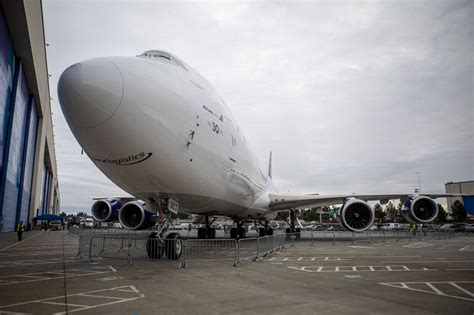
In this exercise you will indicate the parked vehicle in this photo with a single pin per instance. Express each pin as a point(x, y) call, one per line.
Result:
point(456, 227)
point(87, 223)
point(55, 225)
point(391, 226)
point(117, 225)
point(376, 227)
point(470, 228)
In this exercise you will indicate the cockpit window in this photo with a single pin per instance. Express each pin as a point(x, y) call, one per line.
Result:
point(156, 54)
point(162, 54)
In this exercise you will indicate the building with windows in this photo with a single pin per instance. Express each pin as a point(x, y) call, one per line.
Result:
point(28, 182)
point(466, 188)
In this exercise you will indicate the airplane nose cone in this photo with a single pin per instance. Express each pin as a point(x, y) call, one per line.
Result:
point(90, 92)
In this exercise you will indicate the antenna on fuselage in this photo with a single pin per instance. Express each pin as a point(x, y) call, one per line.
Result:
point(270, 166)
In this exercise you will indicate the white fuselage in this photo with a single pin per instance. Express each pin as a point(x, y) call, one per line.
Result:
point(158, 129)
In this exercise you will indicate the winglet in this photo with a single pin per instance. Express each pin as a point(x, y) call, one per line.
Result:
point(270, 166)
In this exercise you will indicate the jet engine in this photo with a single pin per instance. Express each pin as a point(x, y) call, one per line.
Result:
point(134, 216)
point(419, 209)
point(356, 215)
point(105, 210)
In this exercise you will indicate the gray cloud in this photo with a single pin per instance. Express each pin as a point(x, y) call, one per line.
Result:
point(351, 96)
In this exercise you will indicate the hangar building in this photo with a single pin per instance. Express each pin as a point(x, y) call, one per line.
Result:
point(28, 182)
point(466, 188)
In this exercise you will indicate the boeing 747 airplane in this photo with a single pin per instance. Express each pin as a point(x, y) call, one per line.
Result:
point(158, 129)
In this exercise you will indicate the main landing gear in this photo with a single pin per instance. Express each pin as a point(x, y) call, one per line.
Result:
point(239, 230)
point(266, 230)
point(293, 228)
point(158, 246)
point(207, 231)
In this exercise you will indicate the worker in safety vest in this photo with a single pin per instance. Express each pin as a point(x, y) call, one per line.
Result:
point(413, 229)
point(19, 229)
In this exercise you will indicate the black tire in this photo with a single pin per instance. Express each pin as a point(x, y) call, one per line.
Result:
point(202, 233)
point(261, 232)
point(298, 233)
point(174, 246)
point(269, 231)
point(233, 232)
point(154, 248)
point(211, 233)
point(242, 232)
point(288, 230)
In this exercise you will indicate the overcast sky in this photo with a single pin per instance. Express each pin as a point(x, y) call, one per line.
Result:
point(351, 96)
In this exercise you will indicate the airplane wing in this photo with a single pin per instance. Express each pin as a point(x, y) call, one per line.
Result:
point(123, 199)
point(283, 202)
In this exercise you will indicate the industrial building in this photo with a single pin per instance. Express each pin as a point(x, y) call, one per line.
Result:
point(29, 185)
point(467, 188)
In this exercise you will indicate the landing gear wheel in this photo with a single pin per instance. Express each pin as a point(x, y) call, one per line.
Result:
point(154, 247)
point(269, 231)
point(242, 232)
point(288, 230)
point(173, 246)
point(202, 233)
point(233, 232)
point(211, 233)
point(262, 232)
point(298, 233)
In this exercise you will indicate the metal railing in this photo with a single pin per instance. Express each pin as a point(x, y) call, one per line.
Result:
point(378, 236)
point(190, 250)
point(131, 246)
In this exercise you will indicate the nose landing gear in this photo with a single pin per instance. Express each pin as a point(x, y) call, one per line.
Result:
point(158, 246)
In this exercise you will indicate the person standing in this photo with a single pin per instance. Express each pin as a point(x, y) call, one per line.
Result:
point(20, 229)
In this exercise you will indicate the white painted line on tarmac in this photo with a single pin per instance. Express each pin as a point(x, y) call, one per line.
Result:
point(135, 294)
point(30, 262)
point(433, 289)
point(429, 261)
point(464, 248)
point(418, 245)
point(394, 268)
point(21, 242)
point(53, 275)
point(462, 289)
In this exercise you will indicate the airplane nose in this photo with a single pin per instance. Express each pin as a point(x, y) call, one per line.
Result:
point(90, 92)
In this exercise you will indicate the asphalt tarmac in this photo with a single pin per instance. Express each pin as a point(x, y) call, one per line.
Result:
point(42, 275)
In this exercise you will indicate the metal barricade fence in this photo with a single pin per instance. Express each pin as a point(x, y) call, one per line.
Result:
point(259, 247)
point(138, 246)
point(84, 245)
point(211, 250)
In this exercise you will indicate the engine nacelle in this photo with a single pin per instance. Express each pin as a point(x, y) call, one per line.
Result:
point(105, 210)
point(356, 215)
point(419, 209)
point(134, 216)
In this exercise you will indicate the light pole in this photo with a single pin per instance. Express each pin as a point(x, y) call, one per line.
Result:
point(419, 182)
